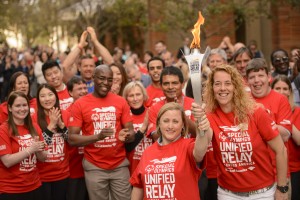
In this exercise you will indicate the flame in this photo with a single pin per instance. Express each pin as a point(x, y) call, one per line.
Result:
point(196, 32)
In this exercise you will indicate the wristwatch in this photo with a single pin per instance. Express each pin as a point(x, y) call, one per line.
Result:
point(283, 189)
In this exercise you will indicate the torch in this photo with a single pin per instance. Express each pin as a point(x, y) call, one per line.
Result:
point(194, 61)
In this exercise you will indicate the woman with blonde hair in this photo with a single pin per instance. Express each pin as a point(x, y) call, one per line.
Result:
point(242, 132)
point(136, 96)
point(168, 169)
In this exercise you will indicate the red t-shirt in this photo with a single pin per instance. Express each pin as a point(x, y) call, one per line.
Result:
point(56, 165)
point(211, 163)
point(154, 95)
point(24, 176)
point(280, 110)
point(294, 149)
point(241, 151)
point(65, 100)
point(4, 112)
point(168, 172)
point(135, 155)
point(154, 110)
point(92, 114)
point(75, 156)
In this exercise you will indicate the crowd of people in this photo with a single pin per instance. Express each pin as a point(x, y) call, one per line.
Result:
point(88, 124)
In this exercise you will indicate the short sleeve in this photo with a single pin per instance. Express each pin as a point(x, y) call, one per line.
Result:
point(265, 124)
point(75, 118)
point(5, 143)
point(136, 180)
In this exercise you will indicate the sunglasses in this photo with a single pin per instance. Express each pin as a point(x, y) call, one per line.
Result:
point(283, 59)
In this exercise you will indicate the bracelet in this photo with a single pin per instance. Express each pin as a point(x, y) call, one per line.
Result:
point(80, 47)
point(29, 154)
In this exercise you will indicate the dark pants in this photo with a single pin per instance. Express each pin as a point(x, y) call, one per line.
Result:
point(56, 190)
point(212, 188)
point(77, 189)
point(295, 181)
point(202, 184)
point(32, 195)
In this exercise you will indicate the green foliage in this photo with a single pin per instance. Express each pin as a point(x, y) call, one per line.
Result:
point(128, 19)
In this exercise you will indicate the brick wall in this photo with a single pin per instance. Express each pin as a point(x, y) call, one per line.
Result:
point(285, 27)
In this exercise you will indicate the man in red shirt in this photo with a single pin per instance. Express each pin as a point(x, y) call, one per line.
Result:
point(155, 94)
point(54, 77)
point(171, 81)
point(278, 106)
point(76, 188)
point(103, 117)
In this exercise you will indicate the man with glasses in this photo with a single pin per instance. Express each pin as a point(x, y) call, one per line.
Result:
point(106, 124)
point(280, 62)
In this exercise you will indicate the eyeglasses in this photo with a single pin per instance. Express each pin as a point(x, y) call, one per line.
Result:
point(283, 59)
point(103, 78)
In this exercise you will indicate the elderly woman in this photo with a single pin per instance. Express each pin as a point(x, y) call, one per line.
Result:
point(168, 169)
point(242, 132)
point(136, 96)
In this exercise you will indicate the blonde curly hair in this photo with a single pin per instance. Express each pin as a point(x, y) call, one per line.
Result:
point(243, 103)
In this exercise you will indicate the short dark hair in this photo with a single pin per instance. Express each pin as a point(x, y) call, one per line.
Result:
point(156, 58)
point(49, 64)
point(240, 51)
point(275, 51)
point(257, 64)
point(74, 80)
point(171, 71)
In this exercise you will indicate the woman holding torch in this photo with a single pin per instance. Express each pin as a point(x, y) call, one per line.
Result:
point(242, 132)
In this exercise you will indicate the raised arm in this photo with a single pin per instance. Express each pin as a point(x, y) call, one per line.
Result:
point(202, 141)
point(102, 50)
point(69, 68)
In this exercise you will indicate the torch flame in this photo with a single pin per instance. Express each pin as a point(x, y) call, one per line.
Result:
point(196, 32)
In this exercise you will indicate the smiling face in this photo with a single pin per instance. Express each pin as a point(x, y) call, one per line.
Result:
point(22, 84)
point(259, 83)
point(54, 77)
point(135, 97)
point(171, 125)
point(241, 63)
point(280, 62)
point(79, 90)
point(87, 68)
point(223, 90)
point(215, 60)
point(19, 110)
point(155, 68)
point(103, 80)
point(172, 87)
point(117, 75)
point(47, 98)
point(283, 88)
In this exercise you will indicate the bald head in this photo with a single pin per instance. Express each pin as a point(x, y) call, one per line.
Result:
point(102, 68)
point(103, 79)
